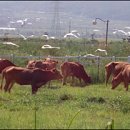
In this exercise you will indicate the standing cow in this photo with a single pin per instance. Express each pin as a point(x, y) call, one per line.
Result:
point(74, 69)
point(123, 76)
point(23, 76)
point(114, 68)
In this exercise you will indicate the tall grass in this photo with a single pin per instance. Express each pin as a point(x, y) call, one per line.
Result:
point(58, 107)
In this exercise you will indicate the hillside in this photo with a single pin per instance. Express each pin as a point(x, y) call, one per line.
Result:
point(80, 13)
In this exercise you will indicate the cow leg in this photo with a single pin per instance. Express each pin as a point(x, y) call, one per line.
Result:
point(49, 84)
point(80, 82)
point(64, 80)
point(6, 86)
point(126, 85)
point(34, 89)
point(72, 80)
point(11, 85)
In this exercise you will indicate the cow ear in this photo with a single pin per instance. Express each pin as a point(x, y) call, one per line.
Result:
point(54, 70)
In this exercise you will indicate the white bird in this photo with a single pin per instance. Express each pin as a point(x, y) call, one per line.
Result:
point(119, 31)
point(24, 38)
point(128, 33)
point(89, 55)
point(10, 29)
point(10, 43)
point(37, 19)
point(49, 47)
point(96, 30)
point(30, 36)
point(114, 32)
point(45, 36)
point(100, 50)
point(123, 32)
point(127, 27)
point(72, 34)
point(75, 32)
point(22, 21)
point(52, 37)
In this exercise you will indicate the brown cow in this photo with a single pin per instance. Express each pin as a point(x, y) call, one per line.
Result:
point(47, 64)
point(74, 69)
point(23, 76)
point(114, 68)
point(5, 63)
point(123, 76)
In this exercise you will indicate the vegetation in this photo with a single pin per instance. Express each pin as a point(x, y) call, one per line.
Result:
point(62, 107)
point(71, 47)
point(56, 107)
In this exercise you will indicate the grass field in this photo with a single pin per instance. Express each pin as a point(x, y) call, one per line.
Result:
point(92, 107)
point(66, 107)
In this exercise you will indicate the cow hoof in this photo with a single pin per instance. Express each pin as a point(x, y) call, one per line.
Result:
point(64, 84)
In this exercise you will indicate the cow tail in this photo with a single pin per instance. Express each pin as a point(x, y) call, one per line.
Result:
point(2, 80)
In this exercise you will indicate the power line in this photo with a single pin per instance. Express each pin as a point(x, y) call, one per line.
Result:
point(55, 29)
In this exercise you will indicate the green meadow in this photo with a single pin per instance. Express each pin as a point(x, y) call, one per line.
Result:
point(65, 107)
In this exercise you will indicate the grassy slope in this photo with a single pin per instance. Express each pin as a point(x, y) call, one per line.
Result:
point(58, 105)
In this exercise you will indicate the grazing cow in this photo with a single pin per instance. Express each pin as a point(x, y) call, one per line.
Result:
point(123, 76)
point(5, 63)
point(114, 68)
point(74, 69)
point(47, 64)
point(35, 77)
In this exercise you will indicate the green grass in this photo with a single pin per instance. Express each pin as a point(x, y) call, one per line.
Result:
point(62, 107)
point(58, 105)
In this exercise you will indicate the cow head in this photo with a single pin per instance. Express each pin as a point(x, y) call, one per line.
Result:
point(117, 80)
point(57, 74)
point(114, 83)
point(88, 80)
point(50, 60)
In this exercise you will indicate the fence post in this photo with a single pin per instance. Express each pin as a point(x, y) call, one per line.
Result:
point(79, 58)
point(113, 58)
point(129, 59)
point(66, 58)
point(98, 66)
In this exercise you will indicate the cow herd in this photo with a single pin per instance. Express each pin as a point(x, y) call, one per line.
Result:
point(38, 72)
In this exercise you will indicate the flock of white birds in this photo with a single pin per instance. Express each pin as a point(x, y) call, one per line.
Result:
point(72, 34)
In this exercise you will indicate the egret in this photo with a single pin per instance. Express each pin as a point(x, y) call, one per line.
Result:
point(45, 36)
point(24, 38)
point(22, 21)
point(49, 47)
point(96, 30)
point(10, 43)
point(100, 50)
point(89, 55)
point(10, 29)
point(119, 31)
point(127, 27)
point(73, 33)
point(70, 35)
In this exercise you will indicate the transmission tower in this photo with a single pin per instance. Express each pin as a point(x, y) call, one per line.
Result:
point(55, 29)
